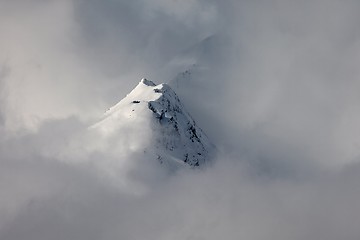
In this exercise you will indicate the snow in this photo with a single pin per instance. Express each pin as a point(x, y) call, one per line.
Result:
point(152, 120)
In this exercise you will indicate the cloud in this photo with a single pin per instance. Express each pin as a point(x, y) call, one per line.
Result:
point(288, 77)
point(72, 67)
point(273, 83)
point(46, 198)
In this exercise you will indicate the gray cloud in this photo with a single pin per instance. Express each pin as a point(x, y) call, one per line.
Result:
point(289, 75)
point(273, 83)
point(50, 199)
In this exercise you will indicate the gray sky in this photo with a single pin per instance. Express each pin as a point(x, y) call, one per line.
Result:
point(275, 84)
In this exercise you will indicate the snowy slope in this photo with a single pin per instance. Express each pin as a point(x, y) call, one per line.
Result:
point(151, 120)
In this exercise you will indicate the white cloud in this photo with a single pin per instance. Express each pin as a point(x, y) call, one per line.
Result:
point(276, 89)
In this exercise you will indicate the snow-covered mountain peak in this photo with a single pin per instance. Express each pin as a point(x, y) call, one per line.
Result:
point(151, 119)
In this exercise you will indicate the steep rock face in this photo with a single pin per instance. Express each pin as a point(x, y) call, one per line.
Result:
point(151, 119)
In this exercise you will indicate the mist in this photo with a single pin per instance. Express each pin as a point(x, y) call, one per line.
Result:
point(274, 84)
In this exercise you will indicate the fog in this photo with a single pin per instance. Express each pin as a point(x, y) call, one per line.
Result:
point(274, 84)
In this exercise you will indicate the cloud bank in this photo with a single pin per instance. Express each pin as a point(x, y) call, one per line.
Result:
point(273, 83)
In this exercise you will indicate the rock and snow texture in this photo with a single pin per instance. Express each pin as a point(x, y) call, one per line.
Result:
point(152, 120)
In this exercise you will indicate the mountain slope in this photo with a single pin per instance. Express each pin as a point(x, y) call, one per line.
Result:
point(151, 119)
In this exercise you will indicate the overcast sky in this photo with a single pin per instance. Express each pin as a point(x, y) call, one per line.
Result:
point(275, 85)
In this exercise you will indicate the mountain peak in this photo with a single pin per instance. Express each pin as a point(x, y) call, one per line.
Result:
point(151, 119)
point(147, 82)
